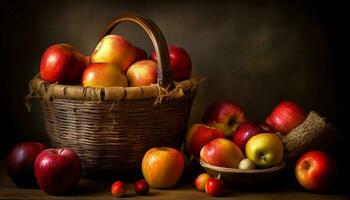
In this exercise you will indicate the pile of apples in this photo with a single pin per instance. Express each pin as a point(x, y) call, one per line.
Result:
point(227, 139)
point(114, 62)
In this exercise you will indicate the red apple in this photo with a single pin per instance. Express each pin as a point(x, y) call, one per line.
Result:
point(114, 49)
point(141, 187)
point(201, 181)
point(221, 152)
point(180, 62)
point(57, 171)
point(20, 163)
point(140, 54)
point(286, 116)
point(198, 136)
point(118, 189)
point(316, 171)
point(224, 114)
point(142, 73)
point(63, 64)
point(162, 167)
point(215, 187)
point(103, 75)
point(244, 132)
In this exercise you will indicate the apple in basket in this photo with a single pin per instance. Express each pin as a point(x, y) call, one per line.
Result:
point(316, 171)
point(198, 136)
point(20, 163)
point(180, 62)
point(140, 54)
point(62, 63)
point(265, 150)
point(57, 171)
point(103, 75)
point(162, 167)
point(114, 49)
point(142, 73)
point(224, 114)
point(286, 116)
point(221, 152)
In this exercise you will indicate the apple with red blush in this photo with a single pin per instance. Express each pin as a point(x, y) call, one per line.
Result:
point(225, 115)
point(286, 116)
point(180, 62)
point(57, 171)
point(244, 132)
point(20, 163)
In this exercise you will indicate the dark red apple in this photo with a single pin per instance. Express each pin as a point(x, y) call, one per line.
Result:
point(20, 163)
point(286, 116)
point(244, 132)
point(140, 54)
point(63, 64)
point(316, 171)
point(226, 115)
point(215, 187)
point(141, 187)
point(180, 62)
point(57, 171)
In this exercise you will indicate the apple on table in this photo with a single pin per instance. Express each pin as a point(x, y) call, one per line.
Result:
point(57, 171)
point(20, 163)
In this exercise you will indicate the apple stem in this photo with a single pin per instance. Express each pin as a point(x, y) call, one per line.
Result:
point(219, 176)
point(60, 151)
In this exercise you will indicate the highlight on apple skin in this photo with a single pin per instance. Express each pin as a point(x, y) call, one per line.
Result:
point(114, 49)
point(103, 75)
point(224, 114)
point(198, 136)
point(221, 152)
point(142, 73)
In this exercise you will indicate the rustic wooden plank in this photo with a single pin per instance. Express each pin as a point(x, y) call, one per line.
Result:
point(89, 189)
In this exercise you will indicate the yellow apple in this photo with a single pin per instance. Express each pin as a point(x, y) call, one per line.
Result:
point(265, 150)
point(103, 75)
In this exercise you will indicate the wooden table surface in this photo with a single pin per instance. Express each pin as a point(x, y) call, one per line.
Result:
point(89, 189)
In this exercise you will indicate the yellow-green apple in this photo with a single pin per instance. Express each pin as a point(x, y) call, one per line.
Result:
point(198, 136)
point(162, 167)
point(316, 171)
point(140, 54)
point(118, 189)
point(286, 116)
point(180, 62)
point(141, 187)
point(265, 150)
point(114, 49)
point(244, 132)
point(142, 73)
point(215, 187)
point(57, 171)
point(221, 152)
point(224, 114)
point(246, 164)
point(103, 75)
point(62, 63)
point(20, 163)
point(200, 181)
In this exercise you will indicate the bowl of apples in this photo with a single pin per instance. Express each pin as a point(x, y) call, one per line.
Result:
point(262, 162)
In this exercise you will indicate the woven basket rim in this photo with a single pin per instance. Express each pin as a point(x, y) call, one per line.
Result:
point(39, 88)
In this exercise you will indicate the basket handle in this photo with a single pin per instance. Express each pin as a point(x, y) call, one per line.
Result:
point(164, 75)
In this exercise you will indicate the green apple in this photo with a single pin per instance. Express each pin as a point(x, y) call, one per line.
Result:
point(265, 150)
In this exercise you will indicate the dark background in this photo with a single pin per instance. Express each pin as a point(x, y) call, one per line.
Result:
point(254, 53)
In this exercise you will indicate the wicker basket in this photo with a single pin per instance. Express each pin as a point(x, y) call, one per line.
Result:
point(111, 128)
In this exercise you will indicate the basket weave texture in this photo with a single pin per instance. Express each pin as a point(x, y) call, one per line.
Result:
point(111, 128)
